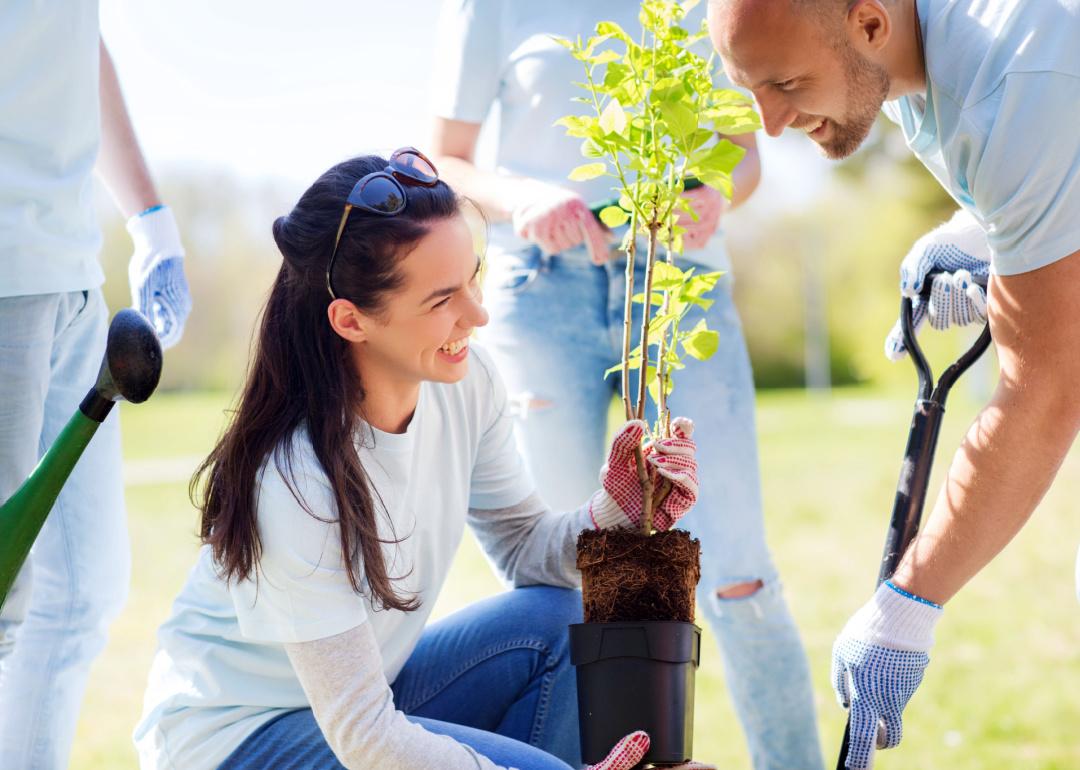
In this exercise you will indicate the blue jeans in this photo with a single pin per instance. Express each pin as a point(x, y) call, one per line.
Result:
point(495, 676)
point(556, 326)
point(55, 620)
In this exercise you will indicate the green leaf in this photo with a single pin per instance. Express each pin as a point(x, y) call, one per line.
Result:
point(613, 119)
point(613, 29)
point(635, 364)
point(590, 148)
point(680, 119)
point(616, 75)
point(721, 157)
point(701, 342)
point(657, 298)
point(605, 57)
point(654, 390)
point(591, 43)
point(653, 384)
point(699, 286)
point(614, 216)
point(576, 125)
point(666, 276)
point(658, 324)
point(588, 171)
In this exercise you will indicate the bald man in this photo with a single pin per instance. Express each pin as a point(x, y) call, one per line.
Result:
point(987, 93)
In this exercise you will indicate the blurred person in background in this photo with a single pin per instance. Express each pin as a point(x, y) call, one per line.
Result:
point(555, 293)
point(61, 112)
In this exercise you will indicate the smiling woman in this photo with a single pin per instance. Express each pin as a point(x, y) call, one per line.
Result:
point(368, 433)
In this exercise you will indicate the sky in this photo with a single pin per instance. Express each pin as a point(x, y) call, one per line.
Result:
point(280, 89)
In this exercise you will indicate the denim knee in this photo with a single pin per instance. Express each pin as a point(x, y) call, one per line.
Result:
point(552, 611)
point(763, 605)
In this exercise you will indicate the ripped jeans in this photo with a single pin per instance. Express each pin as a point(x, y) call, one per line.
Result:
point(556, 326)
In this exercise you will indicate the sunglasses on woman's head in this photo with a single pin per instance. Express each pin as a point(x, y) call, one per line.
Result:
point(383, 192)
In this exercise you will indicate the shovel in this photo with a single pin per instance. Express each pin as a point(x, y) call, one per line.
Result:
point(919, 454)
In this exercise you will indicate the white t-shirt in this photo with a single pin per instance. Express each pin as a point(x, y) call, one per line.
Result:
point(999, 125)
point(49, 134)
point(500, 53)
point(221, 670)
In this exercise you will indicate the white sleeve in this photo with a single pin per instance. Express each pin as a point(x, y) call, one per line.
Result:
point(468, 60)
point(301, 590)
point(353, 705)
point(529, 544)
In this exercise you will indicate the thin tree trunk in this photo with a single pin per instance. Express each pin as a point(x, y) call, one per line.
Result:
point(628, 309)
point(647, 485)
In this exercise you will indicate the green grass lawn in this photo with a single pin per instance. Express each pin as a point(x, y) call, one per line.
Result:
point(1003, 690)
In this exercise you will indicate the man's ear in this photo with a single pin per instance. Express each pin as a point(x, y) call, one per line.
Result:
point(869, 25)
point(348, 322)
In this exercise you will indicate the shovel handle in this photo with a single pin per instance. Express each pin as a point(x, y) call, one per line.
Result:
point(919, 453)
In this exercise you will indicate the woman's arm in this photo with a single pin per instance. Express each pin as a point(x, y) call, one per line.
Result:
point(530, 544)
point(747, 174)
point(343, 679)
point(120, 161)
point(453, 147)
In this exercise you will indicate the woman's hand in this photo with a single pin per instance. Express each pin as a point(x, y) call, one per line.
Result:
point(671, 464)
point(629, 751)
point(709, 205)
point(556, 219)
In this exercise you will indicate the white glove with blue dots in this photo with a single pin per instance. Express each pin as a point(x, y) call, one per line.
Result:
point(159, 289)
point(878, 662)
point(959, 249)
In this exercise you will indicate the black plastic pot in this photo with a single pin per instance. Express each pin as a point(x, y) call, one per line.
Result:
point(636, 676)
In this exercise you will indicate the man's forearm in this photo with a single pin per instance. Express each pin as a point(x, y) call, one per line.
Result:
point(120, 162)
point(1000, 473)
point(1013, 451)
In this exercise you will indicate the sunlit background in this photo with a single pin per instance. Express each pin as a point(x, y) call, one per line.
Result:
point(240, 104)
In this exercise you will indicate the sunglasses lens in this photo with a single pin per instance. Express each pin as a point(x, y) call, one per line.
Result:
point(382, 194)
point(415, 166)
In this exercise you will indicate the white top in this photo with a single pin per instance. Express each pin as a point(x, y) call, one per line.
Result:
point(999, 125)
point(49, 136)
point(221, 670)
point(499, 53)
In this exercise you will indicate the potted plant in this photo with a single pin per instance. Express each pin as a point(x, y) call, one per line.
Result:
point(653, 125)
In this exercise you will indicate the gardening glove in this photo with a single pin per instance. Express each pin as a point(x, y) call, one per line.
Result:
point(629, 751)
point(958, 248)
point(709, 205)
point(159, 289)
point(557, 220)
point(670, 462)
point(878, 661)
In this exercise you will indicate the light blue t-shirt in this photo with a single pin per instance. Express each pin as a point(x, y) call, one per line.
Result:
point(496, 59)
point(49, 136)
point(999, 125)
point(221, 670)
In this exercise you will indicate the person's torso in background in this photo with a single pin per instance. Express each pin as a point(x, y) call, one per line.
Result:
point(536, 86)
point(49, 138)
